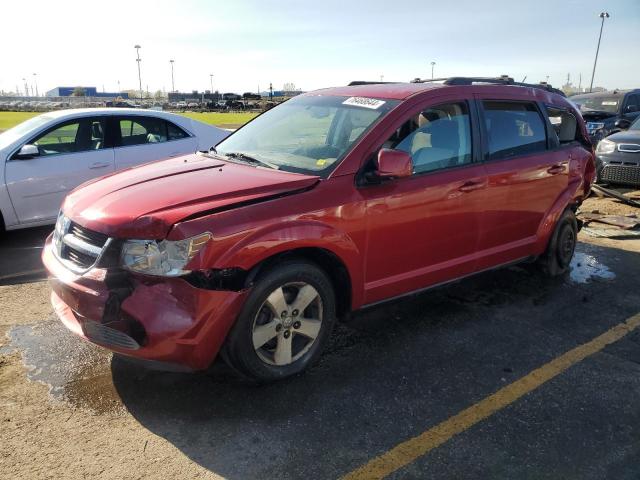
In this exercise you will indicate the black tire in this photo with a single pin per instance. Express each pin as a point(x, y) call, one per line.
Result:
point(255, 362)
point(557, 258)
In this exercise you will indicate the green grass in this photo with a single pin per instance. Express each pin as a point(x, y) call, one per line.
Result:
point(218, 118)
point(11, 119)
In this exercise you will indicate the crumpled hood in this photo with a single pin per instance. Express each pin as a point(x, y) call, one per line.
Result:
point(144, 202)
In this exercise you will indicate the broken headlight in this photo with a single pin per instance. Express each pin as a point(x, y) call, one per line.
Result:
point(163, 258)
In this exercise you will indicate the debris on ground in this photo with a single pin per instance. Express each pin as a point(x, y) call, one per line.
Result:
point(611, 214)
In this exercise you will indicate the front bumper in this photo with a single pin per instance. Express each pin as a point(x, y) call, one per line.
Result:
point(619, 168)
point(159, 319)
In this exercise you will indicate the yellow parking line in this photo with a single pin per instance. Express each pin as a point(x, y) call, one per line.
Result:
point(410, 450)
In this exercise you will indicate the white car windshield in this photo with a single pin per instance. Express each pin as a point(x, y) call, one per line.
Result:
point(13, 134)
point(307, 134)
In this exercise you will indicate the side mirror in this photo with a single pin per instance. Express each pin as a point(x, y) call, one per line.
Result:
point(622, 124)
point(394, 164)
point(27, 151)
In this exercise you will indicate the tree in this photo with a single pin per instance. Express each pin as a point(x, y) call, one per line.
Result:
point(79, 92)
point(289, 87)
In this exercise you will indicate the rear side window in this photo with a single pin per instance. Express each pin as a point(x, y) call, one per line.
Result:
point(142, 130)
point(175, 132)
point(564, 125)
point(513, 129)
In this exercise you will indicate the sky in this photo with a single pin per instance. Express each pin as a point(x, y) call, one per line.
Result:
point(247, 44)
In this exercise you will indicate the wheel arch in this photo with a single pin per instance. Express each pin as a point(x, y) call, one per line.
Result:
point(326, 260)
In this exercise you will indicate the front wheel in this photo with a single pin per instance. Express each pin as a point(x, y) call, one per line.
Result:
point(284, 324)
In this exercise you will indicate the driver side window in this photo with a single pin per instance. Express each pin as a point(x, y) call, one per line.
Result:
point(437, 138)
point(71, 137)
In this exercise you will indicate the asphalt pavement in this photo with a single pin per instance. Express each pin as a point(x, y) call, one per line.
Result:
point(396, 372)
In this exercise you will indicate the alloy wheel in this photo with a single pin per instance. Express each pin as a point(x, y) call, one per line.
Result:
point(287, 323)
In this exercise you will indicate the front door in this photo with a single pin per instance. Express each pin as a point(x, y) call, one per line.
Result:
point(423, 230)
point(69, 154)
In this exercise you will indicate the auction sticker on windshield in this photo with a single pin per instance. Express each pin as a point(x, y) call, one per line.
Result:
point(365, 102)
point(611, 103)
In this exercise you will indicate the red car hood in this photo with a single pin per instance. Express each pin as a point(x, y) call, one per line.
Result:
point(144, 202)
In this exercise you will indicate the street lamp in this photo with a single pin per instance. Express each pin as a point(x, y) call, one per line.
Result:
point(433, 64)
point(603, 15)
point(35, 81)
point(211, 78)
point(173, 86)
point(137, 47)
point(26, 87)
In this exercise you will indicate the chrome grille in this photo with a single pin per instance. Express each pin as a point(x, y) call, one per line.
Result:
point(94, 238)
point(625, 174)
point(78, 248)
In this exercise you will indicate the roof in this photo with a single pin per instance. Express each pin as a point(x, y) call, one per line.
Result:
point(69, 112)
point(391, 91)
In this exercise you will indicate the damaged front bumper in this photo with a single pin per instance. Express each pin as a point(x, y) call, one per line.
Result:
point(154, 318)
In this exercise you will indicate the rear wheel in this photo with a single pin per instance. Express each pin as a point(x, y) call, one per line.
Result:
point(284, 323)
point(557, 258)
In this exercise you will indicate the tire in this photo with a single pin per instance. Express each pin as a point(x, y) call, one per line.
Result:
point(556, 259)
point(272, 339)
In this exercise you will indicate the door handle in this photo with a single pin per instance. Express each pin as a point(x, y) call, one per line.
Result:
point(555, 169)
point(99, 165)
point(471, 185)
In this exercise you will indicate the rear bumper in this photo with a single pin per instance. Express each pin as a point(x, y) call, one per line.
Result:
point(159, 319)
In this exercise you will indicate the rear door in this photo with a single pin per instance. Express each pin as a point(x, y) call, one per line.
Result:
point(525, 177)
point(70, 153)
point(423, 229)
point(140, 139)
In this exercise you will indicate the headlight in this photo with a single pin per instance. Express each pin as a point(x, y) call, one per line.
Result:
point(164, 258)
point(606, 146)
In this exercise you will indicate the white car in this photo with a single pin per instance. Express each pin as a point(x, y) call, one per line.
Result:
point(45, 157)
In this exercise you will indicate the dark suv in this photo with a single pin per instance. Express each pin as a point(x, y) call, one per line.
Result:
point(334, 200)
point(608, 112)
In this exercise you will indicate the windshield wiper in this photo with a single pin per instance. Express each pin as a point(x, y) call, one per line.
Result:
point(248, 159)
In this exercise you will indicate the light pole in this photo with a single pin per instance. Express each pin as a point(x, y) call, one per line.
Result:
point(35, 81)
point(137, 47)
point(211, 78)
point(603, 15)
point(26, 87)
point(433, 64)
point(173, 86)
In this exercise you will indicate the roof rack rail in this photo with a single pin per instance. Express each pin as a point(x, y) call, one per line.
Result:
point(501, 80)
point(365, 82)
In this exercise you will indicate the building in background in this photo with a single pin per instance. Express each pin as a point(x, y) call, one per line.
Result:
point(88, 92)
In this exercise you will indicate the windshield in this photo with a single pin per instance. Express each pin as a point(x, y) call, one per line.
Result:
point(19, 130)
point(307, 134)
point(600, 103)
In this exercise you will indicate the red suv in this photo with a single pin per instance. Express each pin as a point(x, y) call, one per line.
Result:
point(334, 200)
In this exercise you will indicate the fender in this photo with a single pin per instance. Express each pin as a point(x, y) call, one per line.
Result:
point(293, 235)
point(545, 230)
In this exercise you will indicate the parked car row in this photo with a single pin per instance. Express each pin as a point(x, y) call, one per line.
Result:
point(613, 123)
